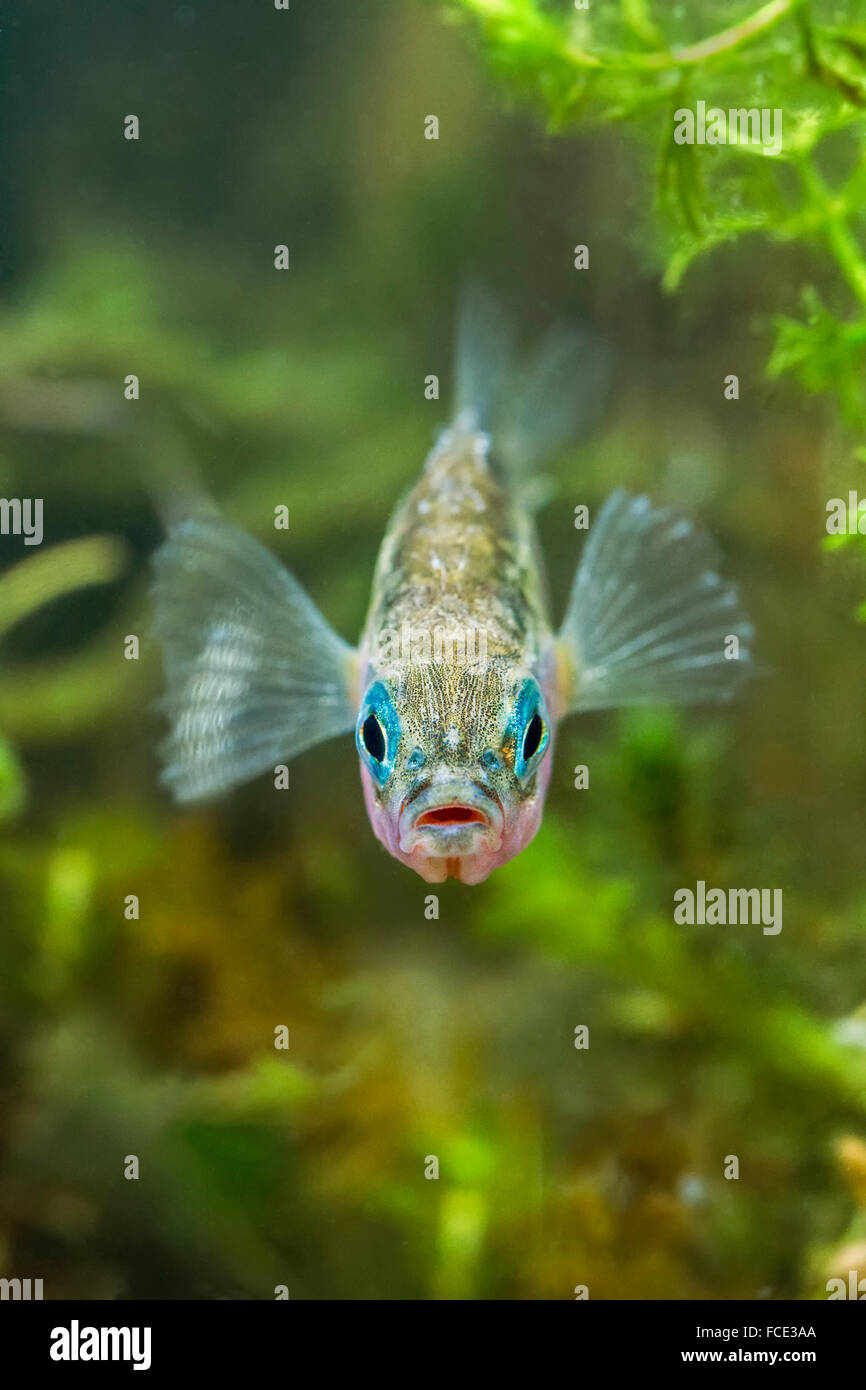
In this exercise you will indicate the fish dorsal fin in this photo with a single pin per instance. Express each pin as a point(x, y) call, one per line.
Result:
point(254, 674)
point(483, 359)
point(529, 406)
point(649, 619)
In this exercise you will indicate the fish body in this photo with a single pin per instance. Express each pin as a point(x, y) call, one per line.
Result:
point(456, 636)
point(459, 680)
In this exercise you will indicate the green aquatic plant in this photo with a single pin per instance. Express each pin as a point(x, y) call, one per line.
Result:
point(54, 573)
point(586, 65)
point(52, 689)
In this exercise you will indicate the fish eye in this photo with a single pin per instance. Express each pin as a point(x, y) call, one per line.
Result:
point(373, 737)
point(529, 730)
point(377, 732)
point(532, 737)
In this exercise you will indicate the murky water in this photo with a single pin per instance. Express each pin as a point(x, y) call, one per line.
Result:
point(150, 956)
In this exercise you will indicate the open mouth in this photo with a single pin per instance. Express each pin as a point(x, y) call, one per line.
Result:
point(451, 815)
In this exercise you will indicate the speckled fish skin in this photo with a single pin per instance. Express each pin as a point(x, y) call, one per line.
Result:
point(459, 556)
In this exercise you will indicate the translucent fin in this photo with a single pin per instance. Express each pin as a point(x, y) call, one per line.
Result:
point(254, 674)
point(483, 359)
point(553, 397)
point(529, 409)
point(649, 615)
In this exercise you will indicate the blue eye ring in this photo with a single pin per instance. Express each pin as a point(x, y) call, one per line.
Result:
point(377, 732)
point(529, 729)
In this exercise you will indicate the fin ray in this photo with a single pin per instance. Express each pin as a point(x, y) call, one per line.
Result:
point(254, 674)
point(529, 408)
point(551, 401)
point(649, 615)
point(484, 357)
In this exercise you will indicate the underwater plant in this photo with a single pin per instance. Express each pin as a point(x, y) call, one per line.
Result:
point(654, 67)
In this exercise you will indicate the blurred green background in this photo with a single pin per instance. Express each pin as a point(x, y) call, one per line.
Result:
point(409, 1037)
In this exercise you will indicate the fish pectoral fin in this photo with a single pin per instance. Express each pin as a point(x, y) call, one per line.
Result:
point(254, 674)
point(649, 619)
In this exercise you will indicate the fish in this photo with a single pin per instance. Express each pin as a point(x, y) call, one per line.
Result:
point(458, 685)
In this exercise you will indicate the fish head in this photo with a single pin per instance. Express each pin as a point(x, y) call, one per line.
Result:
point(455, 762)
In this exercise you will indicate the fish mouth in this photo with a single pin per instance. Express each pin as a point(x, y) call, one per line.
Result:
point(446, 822)
point(451, 815)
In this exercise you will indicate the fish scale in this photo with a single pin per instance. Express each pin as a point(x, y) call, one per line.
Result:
point(459, 554)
